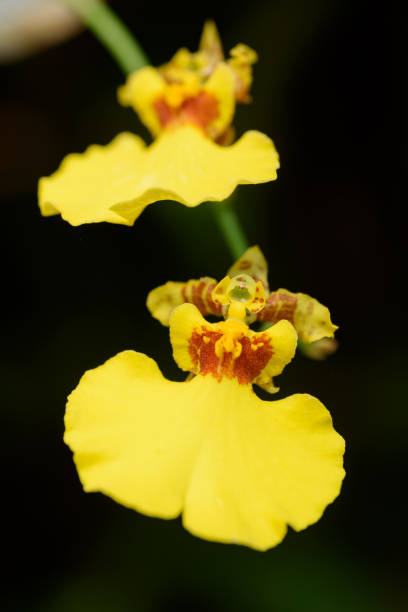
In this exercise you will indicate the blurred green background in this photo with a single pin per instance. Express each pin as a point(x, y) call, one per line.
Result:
point(326, 90)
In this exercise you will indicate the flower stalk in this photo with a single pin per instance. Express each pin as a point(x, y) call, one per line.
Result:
point(230, 227)
point(111, 32)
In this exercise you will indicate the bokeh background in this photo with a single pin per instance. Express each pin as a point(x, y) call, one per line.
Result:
point(327, 89)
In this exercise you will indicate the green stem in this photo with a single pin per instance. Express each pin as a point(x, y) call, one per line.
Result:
point(230, 227)
point(302, 346)
point(111, 32)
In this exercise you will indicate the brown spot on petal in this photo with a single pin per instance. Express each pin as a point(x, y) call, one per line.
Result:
point(199, 110)
point(254, 355)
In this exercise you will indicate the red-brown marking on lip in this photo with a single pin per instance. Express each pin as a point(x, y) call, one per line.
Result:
point(200, 110)
point(244, 368)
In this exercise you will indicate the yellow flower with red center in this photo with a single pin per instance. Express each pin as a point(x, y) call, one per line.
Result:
point(188, 105)
point(239, 469)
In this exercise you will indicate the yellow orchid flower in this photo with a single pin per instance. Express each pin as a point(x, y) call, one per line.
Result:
point(188, 105)
point(248, 278)
point(239, 469)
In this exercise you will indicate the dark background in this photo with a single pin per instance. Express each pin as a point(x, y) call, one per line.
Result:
point(327, 90)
